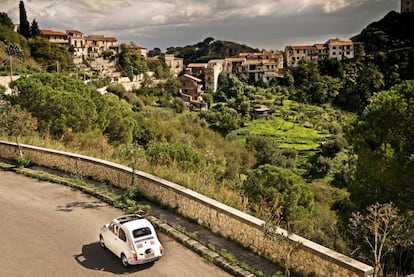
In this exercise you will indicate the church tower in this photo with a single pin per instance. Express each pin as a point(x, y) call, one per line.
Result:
point(407, 6)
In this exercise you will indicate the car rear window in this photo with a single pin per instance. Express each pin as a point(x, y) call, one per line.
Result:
point(141, 232)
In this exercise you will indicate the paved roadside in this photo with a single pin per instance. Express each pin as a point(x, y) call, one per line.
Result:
point(224, 253)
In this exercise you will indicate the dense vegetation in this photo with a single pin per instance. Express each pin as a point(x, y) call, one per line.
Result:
point(339, 139)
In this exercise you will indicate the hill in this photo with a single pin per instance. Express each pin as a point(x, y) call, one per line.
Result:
point(389, 44)
point(209, 49)
point(392, 32)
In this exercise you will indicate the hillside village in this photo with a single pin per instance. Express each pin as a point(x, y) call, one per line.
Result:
point(89, 51)
point(89, 54)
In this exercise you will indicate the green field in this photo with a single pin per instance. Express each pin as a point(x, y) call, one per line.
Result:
point(286, 134)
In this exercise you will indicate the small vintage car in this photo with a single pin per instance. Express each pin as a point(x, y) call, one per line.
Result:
point(132, 238)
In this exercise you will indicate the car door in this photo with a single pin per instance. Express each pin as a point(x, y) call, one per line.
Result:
point(111, 237)
point(122, 244)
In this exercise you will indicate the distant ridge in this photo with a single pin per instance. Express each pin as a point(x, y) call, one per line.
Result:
point(209, 49)
point(394, 31)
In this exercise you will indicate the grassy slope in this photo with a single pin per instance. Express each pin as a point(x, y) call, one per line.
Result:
point(285, 133)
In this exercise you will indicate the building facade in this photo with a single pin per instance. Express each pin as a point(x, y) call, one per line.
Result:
point(137, 49)
point(191, 92)
point(55, 37)
point(176, 64)
point(77, 41)
point(332, 49)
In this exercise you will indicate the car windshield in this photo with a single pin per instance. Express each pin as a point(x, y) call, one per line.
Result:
point(141, 232)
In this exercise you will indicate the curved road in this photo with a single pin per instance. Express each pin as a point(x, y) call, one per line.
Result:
point(52, 230)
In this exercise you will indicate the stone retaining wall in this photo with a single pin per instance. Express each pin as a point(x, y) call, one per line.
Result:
point(308, 257)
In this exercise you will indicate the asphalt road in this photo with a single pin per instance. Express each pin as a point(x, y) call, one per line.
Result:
point(52, 230)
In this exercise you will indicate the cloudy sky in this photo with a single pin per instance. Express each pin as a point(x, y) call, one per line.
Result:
point(264, 24)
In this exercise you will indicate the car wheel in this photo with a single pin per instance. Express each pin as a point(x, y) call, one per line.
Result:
point(101, 242)
point(124, 260)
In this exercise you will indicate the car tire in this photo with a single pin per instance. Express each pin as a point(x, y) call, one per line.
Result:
point(102, 242)
point(124, 260)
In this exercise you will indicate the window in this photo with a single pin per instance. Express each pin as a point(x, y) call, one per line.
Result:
point(122, 235)
point(113, 228)
point(334, 53)
point(141, 232)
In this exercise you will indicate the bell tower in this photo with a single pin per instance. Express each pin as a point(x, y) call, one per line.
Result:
point(407, 6)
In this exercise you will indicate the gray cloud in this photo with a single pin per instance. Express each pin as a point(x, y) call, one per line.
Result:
point(269, 24)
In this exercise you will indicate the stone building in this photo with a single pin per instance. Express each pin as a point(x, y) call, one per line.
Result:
point(176, 64)
point(191, 92)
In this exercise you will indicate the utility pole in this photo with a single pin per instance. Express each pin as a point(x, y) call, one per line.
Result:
point(11, 68)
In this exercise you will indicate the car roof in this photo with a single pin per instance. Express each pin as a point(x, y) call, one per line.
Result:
point(133, 221)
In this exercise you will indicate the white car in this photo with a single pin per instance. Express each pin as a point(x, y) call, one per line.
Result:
point(132, 238)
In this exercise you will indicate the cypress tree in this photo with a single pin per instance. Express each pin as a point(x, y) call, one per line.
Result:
point(24, 28)
point(34, 29)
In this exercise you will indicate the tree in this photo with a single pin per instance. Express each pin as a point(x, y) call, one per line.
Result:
point(269, 188)
point(361, 81)
point(375, 228)
point(208, 41)
point(54, 58)
point(134, 154)
point(120, 128)
point(312, 87)
point(24, 28)
point(382, 139)
point(154, 52)
point(267, 151)
point(34, 29)
point(222, 119)
point(16, 122)
point(6, 21)
point(131, 63)
point(60, 102)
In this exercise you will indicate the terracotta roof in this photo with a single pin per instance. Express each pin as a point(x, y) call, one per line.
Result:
point(301, 47)
point(74, 32)
point(111, 39)
point(320, 46)
point(95, 37)
point(339, 42)
point(53, 33)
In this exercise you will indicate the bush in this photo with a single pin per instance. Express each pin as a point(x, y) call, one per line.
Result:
point(168, 153)
point(23, 162)
point(331, 147)
point(117, 89)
